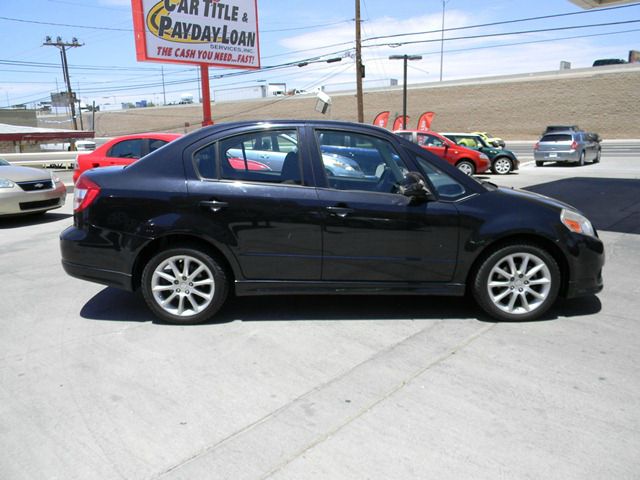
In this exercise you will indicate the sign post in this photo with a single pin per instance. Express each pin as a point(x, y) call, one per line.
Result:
point(198, 32)
point(206, 96)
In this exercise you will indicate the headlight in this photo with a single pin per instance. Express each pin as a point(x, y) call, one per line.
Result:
point(484, 157)
point(577, 223)
point(54, 178)
point(6, 183)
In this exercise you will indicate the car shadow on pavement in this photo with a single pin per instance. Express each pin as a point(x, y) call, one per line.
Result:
point(33, 219)
point(116, 305)
point(612, 204)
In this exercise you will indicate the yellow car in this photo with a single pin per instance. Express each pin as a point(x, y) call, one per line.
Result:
point(490, 139)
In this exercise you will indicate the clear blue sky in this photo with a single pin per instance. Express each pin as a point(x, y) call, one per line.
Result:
point(291, 31)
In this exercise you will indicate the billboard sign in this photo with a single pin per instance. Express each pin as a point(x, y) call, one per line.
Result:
point(202, 32)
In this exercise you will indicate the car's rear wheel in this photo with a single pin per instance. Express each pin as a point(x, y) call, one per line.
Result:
point(466, 166)
point(581, 161)
point(598, 155)
point(517, 282)
point(502, 166)
point(184, 285)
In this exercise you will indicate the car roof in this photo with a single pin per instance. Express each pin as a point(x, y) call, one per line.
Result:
point(462, 133)
point(160, 135)
point(560, 132)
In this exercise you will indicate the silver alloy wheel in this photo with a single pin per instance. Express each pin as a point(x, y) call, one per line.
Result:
point(502, 166)
point(182, 285)
point(519, 283)
point(466, 168)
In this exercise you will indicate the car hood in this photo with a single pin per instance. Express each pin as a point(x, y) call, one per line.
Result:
point(534, 198)
point(24, 174)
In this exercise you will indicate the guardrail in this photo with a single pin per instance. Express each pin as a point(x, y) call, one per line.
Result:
point(42, 159)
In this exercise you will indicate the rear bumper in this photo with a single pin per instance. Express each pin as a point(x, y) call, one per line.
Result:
point(557, 156)
point(99, 275)
point(92, 255)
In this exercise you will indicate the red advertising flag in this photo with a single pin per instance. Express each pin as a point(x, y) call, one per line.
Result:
point(424, 122)
point(381, 119)
point(398, 124)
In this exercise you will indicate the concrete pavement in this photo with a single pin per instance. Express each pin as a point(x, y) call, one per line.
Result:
point(315, 387)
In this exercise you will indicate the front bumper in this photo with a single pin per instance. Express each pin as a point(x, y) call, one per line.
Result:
point(586, 259)
point(15, 201)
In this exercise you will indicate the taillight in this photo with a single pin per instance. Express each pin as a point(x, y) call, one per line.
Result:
point(84, 193)
point(574, 145)
point(536, 146)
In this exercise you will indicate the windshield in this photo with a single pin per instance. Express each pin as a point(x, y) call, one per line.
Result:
point(3, 162)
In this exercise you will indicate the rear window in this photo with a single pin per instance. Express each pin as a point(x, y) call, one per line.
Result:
point(556, 138)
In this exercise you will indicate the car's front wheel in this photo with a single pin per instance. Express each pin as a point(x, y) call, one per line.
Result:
point(502, 166)
point(184, 285)
point(517, 282)
point(539, 163)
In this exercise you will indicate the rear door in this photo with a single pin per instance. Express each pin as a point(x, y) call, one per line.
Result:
point(268, 220)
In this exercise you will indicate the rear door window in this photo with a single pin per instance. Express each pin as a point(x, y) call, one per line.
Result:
point(264, 156)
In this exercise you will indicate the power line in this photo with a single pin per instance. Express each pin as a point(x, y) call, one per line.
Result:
point(504, 22)
point(490, 35)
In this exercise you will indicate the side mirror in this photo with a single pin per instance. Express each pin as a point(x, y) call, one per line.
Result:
point(413, 185)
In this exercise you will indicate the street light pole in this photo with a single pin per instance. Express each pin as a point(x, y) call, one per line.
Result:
point(444, 2)
point(405, 59)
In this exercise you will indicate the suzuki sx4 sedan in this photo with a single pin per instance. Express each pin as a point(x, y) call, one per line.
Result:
point(192, 223)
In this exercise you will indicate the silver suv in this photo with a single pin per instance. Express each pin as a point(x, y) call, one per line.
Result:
point(567, 146)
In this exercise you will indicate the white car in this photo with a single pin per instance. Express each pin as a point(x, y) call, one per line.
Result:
point(26, 190)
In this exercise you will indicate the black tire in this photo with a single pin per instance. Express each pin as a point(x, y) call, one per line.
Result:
point(539, 163)
point(598, 155)
point(502, 171)
point(581, 161)
point(212, 279)
point(515, 286)
point(466, 166)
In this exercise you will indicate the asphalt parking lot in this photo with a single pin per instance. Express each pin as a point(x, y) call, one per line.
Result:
point(324, 387)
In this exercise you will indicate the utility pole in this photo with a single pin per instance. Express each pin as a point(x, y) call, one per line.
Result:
point(359, 66)
point(62, 46)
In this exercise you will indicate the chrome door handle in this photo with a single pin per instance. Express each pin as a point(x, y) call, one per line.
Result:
point(214, 205)
point(340, 211)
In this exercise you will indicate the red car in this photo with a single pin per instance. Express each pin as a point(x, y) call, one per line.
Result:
point(121, 151)
point(467, 160)
point(129, 148)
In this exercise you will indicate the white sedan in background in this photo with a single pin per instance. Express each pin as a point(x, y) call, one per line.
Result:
point(25, 190)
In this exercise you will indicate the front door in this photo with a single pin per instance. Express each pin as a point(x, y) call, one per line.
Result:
point(373, 234)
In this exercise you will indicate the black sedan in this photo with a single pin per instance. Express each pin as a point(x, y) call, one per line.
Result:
point(192, 223)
